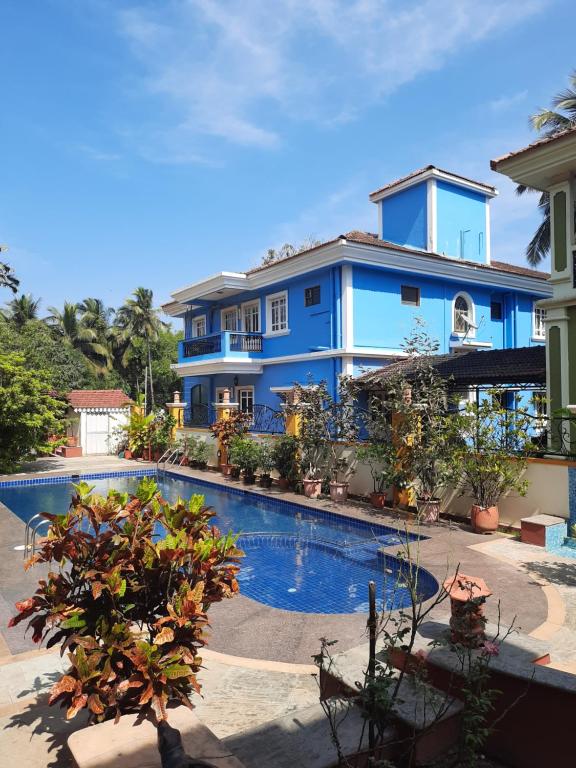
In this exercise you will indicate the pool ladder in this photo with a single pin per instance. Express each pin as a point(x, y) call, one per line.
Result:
point(31, 531)
point(170, 456)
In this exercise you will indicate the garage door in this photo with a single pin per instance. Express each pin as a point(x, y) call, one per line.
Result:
point(97, 433)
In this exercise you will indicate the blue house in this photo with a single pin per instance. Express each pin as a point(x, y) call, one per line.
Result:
point(345, 306)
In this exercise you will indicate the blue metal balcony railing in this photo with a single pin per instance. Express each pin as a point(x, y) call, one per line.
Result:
point(226, 342)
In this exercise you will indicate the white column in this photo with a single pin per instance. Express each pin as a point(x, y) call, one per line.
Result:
point(431, 216)
point(347, 301)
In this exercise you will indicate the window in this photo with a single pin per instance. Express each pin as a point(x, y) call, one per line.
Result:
point(199, 326)
point(312, 296)
point(538, 324)
point(463, 315)
point(495, 310)
point(410, 295)
point(277, 313)
point(229, 319)
point(251, 317)
point(246, 399)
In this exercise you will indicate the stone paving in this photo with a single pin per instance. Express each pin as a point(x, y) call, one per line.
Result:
point(535, 588)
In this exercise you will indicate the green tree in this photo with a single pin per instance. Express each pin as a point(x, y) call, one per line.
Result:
point(68, 325)
point(549, 122)
point(28, 414)
point(137, 319)
point(21, 309)
point(287, 250)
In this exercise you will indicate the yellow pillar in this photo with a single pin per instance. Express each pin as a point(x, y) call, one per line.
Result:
point(402, 496)
point(293, 421)
point(223, 413)
point(176, 410)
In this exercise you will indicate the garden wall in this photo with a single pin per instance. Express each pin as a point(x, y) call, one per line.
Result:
point(551, 491)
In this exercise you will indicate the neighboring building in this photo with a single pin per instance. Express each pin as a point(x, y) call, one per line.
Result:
point(550, 165)
point(95, 416)
point(346, 305)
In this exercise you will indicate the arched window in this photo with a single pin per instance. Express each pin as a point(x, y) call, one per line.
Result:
point(463, 314)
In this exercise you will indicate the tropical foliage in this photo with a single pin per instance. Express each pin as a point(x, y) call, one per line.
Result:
point(548, 122)
point(129, 608)
point(7, 277)
point(28, 413)
point(89, 345)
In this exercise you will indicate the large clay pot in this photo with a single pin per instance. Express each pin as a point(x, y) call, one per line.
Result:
point(428, 510)
point(338, 491)
point(378, 500)
point(484, 519)
point(225, 469)
point(283, 483)
point(312, 488)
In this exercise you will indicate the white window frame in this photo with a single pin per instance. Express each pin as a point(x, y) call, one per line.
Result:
point(247, 305)
point(225, 311)
point(195, 320)
point(471, 332)
point(538, 328)
point(238, 395)
point(269, 300)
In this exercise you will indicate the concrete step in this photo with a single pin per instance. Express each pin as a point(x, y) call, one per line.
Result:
point(302, 739)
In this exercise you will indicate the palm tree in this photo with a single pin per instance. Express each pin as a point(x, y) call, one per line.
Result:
point(22, 309)
point(137, 319)
point(549, 122)
point(71, 328)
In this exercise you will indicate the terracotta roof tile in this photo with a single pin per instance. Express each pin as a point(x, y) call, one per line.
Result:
point(98, 398)
point(534, 145)
point(427, 168)
point(524, 365)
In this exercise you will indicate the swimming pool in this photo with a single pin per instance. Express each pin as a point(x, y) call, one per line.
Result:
point(297, 558)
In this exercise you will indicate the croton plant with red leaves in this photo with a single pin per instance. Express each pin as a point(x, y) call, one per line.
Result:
point(128, 599)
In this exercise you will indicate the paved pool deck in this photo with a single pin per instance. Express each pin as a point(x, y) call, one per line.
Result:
point(257, 667)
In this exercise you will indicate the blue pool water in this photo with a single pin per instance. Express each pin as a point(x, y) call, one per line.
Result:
point(297, 559)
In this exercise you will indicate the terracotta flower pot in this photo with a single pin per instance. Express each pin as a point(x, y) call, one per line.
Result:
point(71, 441)
point(378, 500)
point(225, 469)
point(338, 491)
point(484, 519)
point(128, 454)
point(283, 483)
point(312, 488)
point(428, 510)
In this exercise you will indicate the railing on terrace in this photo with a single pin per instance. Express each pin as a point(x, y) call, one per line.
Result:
point(245, 342)
point(206, 345)
point(267, 420)
point(199, 415)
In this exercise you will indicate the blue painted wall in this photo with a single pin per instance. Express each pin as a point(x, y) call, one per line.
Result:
point(460, 222)
point(404, 217)
point(381, 320)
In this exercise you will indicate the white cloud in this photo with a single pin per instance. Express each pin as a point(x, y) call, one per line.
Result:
point(506, 102)
point(238, 70)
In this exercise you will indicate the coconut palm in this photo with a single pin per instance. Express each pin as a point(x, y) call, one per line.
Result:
point(549, 122)
point(137, 319)
point(22, 309)
point(69, 325)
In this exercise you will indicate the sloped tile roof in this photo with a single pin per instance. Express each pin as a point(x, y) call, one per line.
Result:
point(535, 144)
point(524, 365)
point(98, 398)
point(368, 238)
point(421, 171)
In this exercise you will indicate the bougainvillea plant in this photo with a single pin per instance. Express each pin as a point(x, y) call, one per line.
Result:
point(128, 598)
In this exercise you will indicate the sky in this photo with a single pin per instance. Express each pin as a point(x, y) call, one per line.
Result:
point(157, 142)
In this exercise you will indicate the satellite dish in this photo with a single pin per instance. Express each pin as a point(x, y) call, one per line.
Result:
point(469, 322)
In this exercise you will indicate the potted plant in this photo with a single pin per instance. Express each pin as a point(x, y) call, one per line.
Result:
point(266, 464)
point(285, 460)
point(343, 467)
point(381, 459)
point(245, 454)
point(162, 427)
point(201, 453)
point(224, 430)
point(129, 608)
point(326, 423)
point(490, 457)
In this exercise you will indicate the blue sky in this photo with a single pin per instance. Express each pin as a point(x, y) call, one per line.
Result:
point(155, 142)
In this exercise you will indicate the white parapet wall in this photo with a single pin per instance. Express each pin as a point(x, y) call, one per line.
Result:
point(548, 484)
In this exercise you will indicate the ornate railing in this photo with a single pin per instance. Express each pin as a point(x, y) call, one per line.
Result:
point(199, 415)
point(206, 345)
point(267, 420)
point(245, 342)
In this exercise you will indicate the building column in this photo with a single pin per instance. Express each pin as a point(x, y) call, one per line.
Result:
point(176, 410)
point(224, 413)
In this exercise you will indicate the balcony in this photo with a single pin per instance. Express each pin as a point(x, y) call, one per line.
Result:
point(227, 344)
